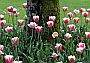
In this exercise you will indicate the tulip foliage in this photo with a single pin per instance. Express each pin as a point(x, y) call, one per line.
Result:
point(32, 42)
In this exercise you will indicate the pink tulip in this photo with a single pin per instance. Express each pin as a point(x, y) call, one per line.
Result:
point(79, 50)
point(82, 10)
point(2, 23)
point(15, 41)
point(38, 29)
point(66, 20)
point(9, 29)
point(87, 34)
point(54, 56)
point(52, 18)
point(50, 24)
point(8, 59)
point(10, 9)
point(81, 45)
point(76, 19)
point(32, 25)
point(59, 47)
point(36, 18)
point(85, 14)
point(71, 27)
point(14, 10)
point(1, 47)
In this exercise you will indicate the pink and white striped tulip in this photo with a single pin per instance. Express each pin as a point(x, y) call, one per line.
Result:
point(1, 47)
point(85, 14)
point(9, 29)
point(71, 27)
point(87, 34)
point(15, 41)
point(76, 11)
point(10, 9)
point(52, 18)
point(70, 14)
point(72, 59)
point(54, 56)
point(81, 45)
point(66, 20)
point(32, 25)
point(76, 19)
point(68, 35)
point(38, 29)
point(82, 10)
point(8, 59)
point(50, 24)
point(2, 23)
point(36, 18)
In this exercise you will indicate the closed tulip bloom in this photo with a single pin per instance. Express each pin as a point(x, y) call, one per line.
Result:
point(68, 36)
point(54, 56)
point(14, 10)
point(87, 34)
point(55, 34)
point(59, 47)
point(17, 62)
point(1, 17)
point(38, 29)
point(71, 27)
point(50, 24)
point(32, 25)
point(36, 18)
point(81, 45)
point(85, 14)
point(2, 23)
point(24, 5)
point(65, 9)
point(66, 20)
point(8, 59)
point(70, 14)
point(21, 22)
point(9, 29)
point(52, 18)
point(87, 20)
point(10, 9)
point(72, 59)
point(82, 10)
point(76, 19)
point(1, 47)
point(79, 50)
point(15, 41)
point(76, 11)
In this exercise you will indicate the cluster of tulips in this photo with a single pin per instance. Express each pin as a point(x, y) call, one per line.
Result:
point(44, 44)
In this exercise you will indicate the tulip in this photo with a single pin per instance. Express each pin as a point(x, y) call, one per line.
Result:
point(32, 25)
point(24, 5)
point(15, 41)
point(87, 20)
point(76, 11)
point(71, 59)
point(21, 23)
point(1, 17)
point(65, 9)
point(55, 34)
point(82, 10)
point(79, 50)
point(52, 18)
point(81, 45)
point(10, 9)
point(59, 62)
point(85, 14)
point(9, 29)
point(14, 10)
point(87, 34)
point(88, 10)
point(68, 36)
point(2, 23)
point(76, 19)
point(70, 14)
point(54, 56)
point(8, 59)
point(66, 20)
point(1, 47)
point(36, 18)
point(71, 27)
point(50, 24)
point(38, 29)
point(59, 47)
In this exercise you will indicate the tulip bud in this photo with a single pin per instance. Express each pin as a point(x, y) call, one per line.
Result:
point(38, 29)
point(66, 20)
point(8, 59)
point(50, 24)
point(9, 29)
point(85, 14)
point(55, 34)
